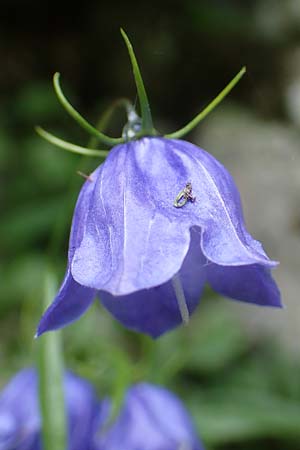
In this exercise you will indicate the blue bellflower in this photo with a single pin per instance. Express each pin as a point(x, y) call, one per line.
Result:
point(148, 260)
point(20, 421)
point(151, 418)
point(154, 223)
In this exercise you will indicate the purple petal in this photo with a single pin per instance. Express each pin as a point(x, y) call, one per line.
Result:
point(8, 430)
point(252, 284)
point(24, 383)
point(133, 236)
point(217, 210)
point(69, 304)
point(19, 415)
point(151, 418)
point(84, 413)
point(20, 421)
point(155, 311)
point(129, 242)
point(72, 299)
point(81, 211)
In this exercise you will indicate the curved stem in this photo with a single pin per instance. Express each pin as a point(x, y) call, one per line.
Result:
point(121, 102)
point(103, 122)
point(147, 124)
point(68, 146)
point(189, 127)
point(79, 119)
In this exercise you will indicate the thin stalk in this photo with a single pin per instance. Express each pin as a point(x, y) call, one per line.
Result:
point(191, 125)
point(50, 369)
point(79, 119)
point(181, 300)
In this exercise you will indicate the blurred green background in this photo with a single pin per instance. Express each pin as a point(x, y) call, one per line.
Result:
point(236, 366)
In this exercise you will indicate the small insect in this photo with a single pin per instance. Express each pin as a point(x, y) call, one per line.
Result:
point(185, 195)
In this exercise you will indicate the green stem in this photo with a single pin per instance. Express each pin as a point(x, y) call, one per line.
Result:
point(50, 369)
point(191, 125)
point(69, 146)
point(79, 119)
point(147, 124)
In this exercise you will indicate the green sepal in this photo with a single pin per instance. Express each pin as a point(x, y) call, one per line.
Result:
point(79, 119)
point(69, 146)
point(191, 125)
point(147, 123)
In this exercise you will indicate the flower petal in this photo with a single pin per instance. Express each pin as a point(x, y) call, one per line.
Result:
point(20, 421)
point(129, 242)
point(218, 211)
point(84, 413)
point(134, 238)
point(69, 304)
point(252, 284)
point(81, 212)
point(72, 299)
point(151, 418)
point(8, 429)
point(155, 311)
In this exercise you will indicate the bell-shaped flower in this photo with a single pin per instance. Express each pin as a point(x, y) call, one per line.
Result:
point(151, 418)
point(154, 223)
point(20, 422)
